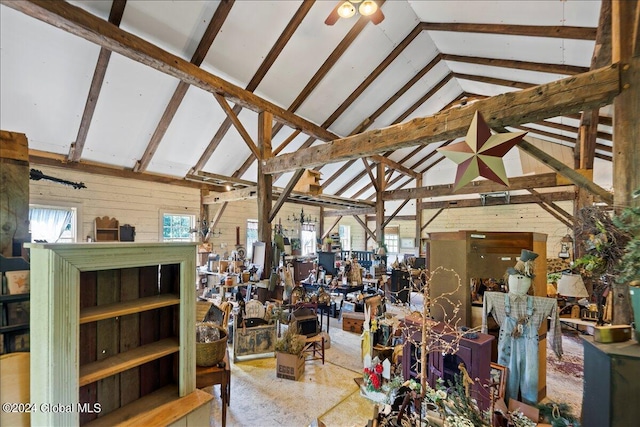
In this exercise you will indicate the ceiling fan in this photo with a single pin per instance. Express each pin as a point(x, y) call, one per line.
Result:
point(348, 8)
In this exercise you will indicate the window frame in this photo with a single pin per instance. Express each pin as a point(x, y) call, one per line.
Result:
point(192, 217)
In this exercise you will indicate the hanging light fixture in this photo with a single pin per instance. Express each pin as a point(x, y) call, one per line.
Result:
point(349, 8)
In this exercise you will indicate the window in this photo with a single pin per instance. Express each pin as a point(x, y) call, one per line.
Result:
point(391, 239)
point(252, 236)
point(345, 237)
point(308, 236)
point(177, 227)
point(52, 224)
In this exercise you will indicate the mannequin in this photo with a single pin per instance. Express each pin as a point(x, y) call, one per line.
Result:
point(520, 316)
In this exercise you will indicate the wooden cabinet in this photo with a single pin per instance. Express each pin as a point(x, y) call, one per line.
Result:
point(113, 331)
point(14, 307)
point(610, 379)
point(474, 353)
point(106, 229)
point(398, 291)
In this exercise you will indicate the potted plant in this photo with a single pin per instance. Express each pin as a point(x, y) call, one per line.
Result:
point(289, 355)
point(603, 246)
point(629, 270)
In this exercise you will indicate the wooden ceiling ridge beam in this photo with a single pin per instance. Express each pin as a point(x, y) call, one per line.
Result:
point(544, 180)
point(519, 65)
point(556, 196)
point(546, 31)
point(231, 115)
point(76, 148)
point(572, 94)
point(81, 23)
point(210, 33)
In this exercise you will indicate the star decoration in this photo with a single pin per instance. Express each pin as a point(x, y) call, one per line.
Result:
point(480, 154)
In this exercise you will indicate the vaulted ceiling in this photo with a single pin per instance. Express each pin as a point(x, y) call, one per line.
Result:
point(180, 94)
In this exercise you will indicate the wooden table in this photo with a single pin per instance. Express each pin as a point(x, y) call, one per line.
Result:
point(210, 376)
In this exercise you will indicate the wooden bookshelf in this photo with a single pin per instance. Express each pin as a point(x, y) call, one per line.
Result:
point(114, 326)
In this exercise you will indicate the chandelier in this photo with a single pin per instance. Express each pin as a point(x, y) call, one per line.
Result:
point(204, 230)
point(301, 218)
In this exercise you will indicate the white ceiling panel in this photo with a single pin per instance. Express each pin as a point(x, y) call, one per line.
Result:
point(45, 77)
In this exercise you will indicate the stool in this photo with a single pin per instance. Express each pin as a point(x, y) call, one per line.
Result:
point(314, 348)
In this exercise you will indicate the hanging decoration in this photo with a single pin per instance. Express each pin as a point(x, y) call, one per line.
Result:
point(37, 175)
point(481, 153)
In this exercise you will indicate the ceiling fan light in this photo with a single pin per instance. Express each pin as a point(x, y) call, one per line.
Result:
point(367, 8)
point(346, 10)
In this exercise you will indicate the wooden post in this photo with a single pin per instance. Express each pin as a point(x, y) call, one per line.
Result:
point(419, 219)
point(14, 186)
point(626, 127)
point(380, 203)
point(265, 187)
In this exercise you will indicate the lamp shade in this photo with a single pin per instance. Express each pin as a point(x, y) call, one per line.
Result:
point(571, 285)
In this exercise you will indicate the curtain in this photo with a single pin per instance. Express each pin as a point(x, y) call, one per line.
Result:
point(48, 224)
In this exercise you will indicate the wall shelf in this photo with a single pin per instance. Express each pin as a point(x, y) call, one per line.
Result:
point(101, 312)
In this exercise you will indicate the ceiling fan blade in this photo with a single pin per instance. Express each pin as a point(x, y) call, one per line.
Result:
point(377, 17)
point(333, 16)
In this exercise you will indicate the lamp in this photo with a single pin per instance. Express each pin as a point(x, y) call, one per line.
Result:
point(348, 8)
point(571, 285)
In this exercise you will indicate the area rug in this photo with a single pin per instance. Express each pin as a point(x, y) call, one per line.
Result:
point(565, 376)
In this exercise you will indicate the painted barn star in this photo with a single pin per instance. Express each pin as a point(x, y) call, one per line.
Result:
point(480, 154)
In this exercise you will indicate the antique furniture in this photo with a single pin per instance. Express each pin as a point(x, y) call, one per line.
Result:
point(479, 254)
point(217, 374)
point(114, 326)
point(14, 309)
point(475, 353)
point(106, 229)
point(252, 336)
point(610, 379)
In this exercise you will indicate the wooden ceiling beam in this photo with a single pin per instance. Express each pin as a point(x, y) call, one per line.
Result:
point(88, 26)
point(493, 81)
point(212, 30)
point(543, 198)
point(563, 32)
point(366, 229)
point(518, 65)
point(349, 212)
point(395, 165)
point(370, 172)
point(556, 196)
point(285, 193)
point(76, 148)
point(393, 215)
point(60, 161)
point(231, 115)
point(326, 233)
point(554, 214)
point(559, 137)
point(569, 95)
point(484, 186)
point(433, 218)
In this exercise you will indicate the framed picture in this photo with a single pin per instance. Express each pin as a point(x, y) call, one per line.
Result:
point(499, 377)
point(407, 243)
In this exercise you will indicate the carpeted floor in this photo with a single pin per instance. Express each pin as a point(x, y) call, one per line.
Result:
point(328, 393)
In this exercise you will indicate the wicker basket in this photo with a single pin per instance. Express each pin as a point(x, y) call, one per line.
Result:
point(210, 354)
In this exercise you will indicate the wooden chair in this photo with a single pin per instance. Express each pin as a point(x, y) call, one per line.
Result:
point(14, 387)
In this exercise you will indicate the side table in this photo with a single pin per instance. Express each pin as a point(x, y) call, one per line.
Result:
point(217, 374)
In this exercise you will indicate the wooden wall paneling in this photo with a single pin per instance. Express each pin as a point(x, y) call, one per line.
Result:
point(107, 337)
point(129, 335)
point(149, 329)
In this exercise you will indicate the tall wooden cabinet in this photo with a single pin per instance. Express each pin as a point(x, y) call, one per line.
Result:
point(113, 330)
point(479, 254)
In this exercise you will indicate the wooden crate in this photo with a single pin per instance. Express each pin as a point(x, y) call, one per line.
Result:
point(309, 183)
point(352, 322)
